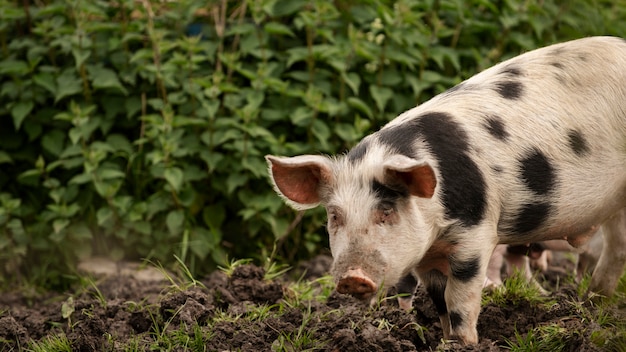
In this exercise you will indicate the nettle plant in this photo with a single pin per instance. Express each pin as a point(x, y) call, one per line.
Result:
point(137, 129)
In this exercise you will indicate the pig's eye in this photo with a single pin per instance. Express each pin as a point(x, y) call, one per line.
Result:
point(385, 213)
point(334, 217)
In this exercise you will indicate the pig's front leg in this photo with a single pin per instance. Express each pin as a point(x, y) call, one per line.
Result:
point(468, 270)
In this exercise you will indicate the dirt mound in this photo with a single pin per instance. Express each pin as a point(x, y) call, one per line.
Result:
point(246, 312)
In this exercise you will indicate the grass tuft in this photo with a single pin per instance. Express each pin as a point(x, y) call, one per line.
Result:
point(516, 289)
point(51, 343)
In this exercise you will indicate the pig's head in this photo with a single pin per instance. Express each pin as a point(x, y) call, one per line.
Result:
point(376, 223)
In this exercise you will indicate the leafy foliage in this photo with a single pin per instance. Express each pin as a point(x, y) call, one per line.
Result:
point(137, 129)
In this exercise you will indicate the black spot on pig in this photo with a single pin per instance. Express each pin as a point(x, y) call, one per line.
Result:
point(386, 194)
point(511, 71)
point(495, 127)
point(400, 138)
point(531, 217)
point(456, 320)
point(558, 65)
point(577, 142)
point(537, 173)
point(463, 187)
point(509, 89)
point(462, 184)
point(466, 270)
point(357, 153)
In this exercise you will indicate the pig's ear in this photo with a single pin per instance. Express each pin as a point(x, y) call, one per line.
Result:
point(417, 175)
point(297, 179)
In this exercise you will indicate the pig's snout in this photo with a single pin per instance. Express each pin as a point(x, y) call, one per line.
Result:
point(356, 283)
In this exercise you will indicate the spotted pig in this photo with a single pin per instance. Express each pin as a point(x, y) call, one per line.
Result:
point(531, 149)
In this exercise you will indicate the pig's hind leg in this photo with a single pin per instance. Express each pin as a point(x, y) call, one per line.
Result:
point(613, 258)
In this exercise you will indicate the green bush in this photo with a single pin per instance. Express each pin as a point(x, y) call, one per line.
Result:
point(137, 129)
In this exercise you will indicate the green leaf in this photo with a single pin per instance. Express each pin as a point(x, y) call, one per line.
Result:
point(361, 106)
point(120, 143)
point(80, 56)
point(285, 7)
point(381, 96)
point(5, 158)
point(322, 132)
point(46, 81)
point(104, 78)
point(59, 224)
point(302, 116)
point(103, 215)
point(142, 227)
point(278, 29)
point(214, 215)
point(19, 111)
point(212, 159)
point(107, 173)
point(234, 181)
point(53, 142)
point(174, 221)
point(68, 84)
point(174, 176)
point(80, 179)
point(13, 67)
point(347, 132)
point(67, 308)
point(107, 188)
point(353, 80)
point(202, 242)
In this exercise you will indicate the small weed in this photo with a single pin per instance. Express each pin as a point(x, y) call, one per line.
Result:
point(543, 338)
point(418, 328)
point(260, 312)
point(384, 324)
point(274, 270)
point(304, 291)
point(67, 308)
point(515, 290)
point(51, 343)
point(302, 339)
point(133, 345)
point(230, 268)
point(191, 281)
point(222, 316)
point(182, 283)
point(186, 342)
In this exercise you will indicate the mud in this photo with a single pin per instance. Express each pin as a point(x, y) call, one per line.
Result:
point(245, 312)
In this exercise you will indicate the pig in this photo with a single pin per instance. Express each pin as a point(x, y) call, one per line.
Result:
point(531, 149)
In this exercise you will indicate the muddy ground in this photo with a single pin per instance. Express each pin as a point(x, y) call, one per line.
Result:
point(224, 314)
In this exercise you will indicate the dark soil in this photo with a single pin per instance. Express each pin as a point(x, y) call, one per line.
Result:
point(220, 317)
